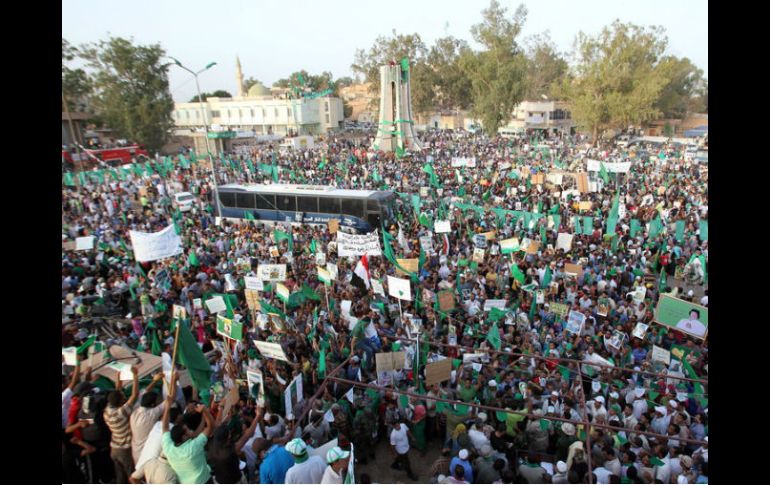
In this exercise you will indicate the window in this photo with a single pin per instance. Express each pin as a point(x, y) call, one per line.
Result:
point(196, 114)
point(275, 110)
point(263, 113)
point(215, 114)
point(326, 107)
point(286, 202)
point(266, 201)
point(252, 112)
point(227, 199)
point(288, 113)
point(353, 207)
point(327, 118)
point(307, 203)
point(245, 201)
point(329, 205)
point(228, 113)
point(187, 115)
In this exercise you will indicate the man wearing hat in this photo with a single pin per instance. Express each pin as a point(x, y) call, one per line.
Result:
point(661, 420)
point(487, 468)
point(553, 401)
point(462, 460)
point(306, 469)
point(338, 459)
point(565, 438)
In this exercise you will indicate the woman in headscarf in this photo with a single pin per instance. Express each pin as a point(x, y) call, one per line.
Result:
point(459, 440)
point(418, 428)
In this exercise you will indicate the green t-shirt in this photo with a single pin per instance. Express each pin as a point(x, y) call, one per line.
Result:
point(466, 393)
point(189, 459)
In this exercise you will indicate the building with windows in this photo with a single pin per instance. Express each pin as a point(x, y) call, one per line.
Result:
point(262, 111)
point(552, 116)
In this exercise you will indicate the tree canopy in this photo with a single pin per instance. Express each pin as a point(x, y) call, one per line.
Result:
point(219, 93)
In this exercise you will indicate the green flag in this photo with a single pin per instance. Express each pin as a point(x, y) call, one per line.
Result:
point(679, 231)
point(156, 348)
point(493, 337)
point(635, 226)
point(192, 357)
point(588, 225)
point(248, 215)
point(86, 344)
point(322, 365)
point(578, 229)
point(192, 259)
point(428, 168)
point(68, 179)
point(313, 246)
point(517, 274)
point(704, 230)
point(655, 227)
point(496, 314)
point(279, 236)
point(546, 278)
point(603, 173)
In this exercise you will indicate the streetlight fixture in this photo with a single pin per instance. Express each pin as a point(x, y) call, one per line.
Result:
point(205, 121)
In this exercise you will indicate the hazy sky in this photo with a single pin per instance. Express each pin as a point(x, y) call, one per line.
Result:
point(275, 38)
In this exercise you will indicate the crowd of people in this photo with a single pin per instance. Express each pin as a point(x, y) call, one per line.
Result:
point(555, 345)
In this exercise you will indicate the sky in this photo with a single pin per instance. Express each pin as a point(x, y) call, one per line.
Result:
point(275, 38)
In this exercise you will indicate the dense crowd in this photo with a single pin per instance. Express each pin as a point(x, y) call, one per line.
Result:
point(540, 350)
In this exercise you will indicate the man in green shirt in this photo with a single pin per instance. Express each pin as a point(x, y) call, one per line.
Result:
point(184, 449)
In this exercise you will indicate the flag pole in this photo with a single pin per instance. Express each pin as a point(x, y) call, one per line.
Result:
point(173, 357)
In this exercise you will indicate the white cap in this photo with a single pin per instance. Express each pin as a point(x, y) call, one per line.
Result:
point(639, 392)
point(561, 467)
point(554, 394)
point(463, 454)
point(673, 404)
point(492, 383)
point(661, 410)
point(599, 399)
point(682, 479)
point(614, 395)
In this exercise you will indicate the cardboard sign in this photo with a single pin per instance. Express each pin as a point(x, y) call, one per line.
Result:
point(439, 371)
point(254, 378)
point(573, 269)
point(334, 225)
point(582, 182)
point(271, 350)
point(442, 227)
point(446, 300)
point(423, 192)
point(68, 245)
point(538, 178)
point(661, 355)
point(426, 243)
point(253, 283)
point(533, 247)
point(229, 328)
point(271, 272)
point(358, 244)
point(408, 264)
point(509, 246)
point(388, 361)
point(252, 299)
point(70, 355)
point(84, 243)
point(480, 241)
point(489, 235)
point(584, 205)
point(564, 241)
point(490, 304)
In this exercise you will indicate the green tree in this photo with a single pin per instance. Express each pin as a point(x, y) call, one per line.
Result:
point(616, 81)
point(393, 49)
point(219, 93)
point(131, 89)
point(451, 86)
point(684, 81)
point(546, 67)
point(668, 130)
point(76, 85)
point(498, 72)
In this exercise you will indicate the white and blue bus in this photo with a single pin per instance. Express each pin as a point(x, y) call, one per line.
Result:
point(360, 210)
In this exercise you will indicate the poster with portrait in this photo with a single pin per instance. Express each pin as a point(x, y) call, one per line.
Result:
point(575, 322)
point(683, 316)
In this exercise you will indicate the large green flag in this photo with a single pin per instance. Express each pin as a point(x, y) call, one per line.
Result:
point(493, 337)
point(192, 259)
point(603, 173)
point(248, 215)
point(533, 309)
point(426, 220)
point(704, 230)
point(86, 344)
point(428, 168)
point(279, 236)
point(588, 225)
point(496, 314)
point(387, 250)
point(635, 226)
point(679, 231)
point(68, 179)
point(578, 229)
point(546, 278)
point(322, 364)
point(655, 227)
point(308, 293)
point(271, 309)
point(517, 274)
point(156, 348)
point(192, 357)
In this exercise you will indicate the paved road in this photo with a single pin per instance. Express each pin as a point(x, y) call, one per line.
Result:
point(380, 471)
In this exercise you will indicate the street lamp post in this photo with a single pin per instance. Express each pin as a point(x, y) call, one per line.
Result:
point(205, 123)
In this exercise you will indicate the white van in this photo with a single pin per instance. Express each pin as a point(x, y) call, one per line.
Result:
point(184, 201)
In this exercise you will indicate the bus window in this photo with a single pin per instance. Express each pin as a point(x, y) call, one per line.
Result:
point(266, 202)
point(287, 203)
point(374, 220)
point(245, 201)
point(329, 205)
point(353, 207)
point(307, 203)
point(227, 199)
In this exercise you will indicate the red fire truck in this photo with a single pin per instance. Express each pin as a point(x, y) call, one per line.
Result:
point(113, 157)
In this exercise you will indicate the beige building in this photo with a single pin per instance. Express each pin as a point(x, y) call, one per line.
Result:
point(262, 111)
point(539, 115)
point(361, 101)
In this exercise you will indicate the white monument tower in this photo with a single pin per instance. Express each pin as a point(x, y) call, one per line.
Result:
point(396, 125)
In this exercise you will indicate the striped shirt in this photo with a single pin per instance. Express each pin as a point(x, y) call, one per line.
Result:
point(117, 420)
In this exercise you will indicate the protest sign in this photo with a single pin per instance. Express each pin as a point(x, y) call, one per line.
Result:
point(254, 378)
point(538, 178)
point(399, 288)
point(582, 182)
point(446, 300)
point(575, 322)
point(584, 206)
point(68, 245)
point(334, 225)
point(640, 330)
point(271, 272)
point(156, 245)
point(480, 241)
point(533, 247)
point(358, 244)
point(423, 192)
point(271, 350)
point(603, 307)
point(683, 316)
point(274, 251)
point(230, 283)
point(660, 354)
point(442, 227)
point(478, 255)
point(70, 355)
point(463, 161)
point(560, 309)
point(490, 235)
point(293, 394)
point(438, 371)
point(426, 243)
point(197, 303)
point(573, 269)
point(377, 287)
point(332, 269)
point(123, 368)
point(564, 241)
point(178, 311)
point(508, 246)
point(252, 299)
point(490, 304)
point(410, 265)
point(229, 328)
point(615, 341)
point(216, 304)
point(320, 258)
point(616, 167)
point(253, 283)
point(388, 361)
point(85, 243)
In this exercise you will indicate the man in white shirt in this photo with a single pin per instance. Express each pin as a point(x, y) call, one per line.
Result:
point(144, 417)
point(640, 404)
point(154, 442)
point(692, 325)
point(338, 464)
point(399, 440)
point(477, 436)
point(306, 469)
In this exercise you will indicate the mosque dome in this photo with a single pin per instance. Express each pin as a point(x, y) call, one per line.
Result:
point(258, 90)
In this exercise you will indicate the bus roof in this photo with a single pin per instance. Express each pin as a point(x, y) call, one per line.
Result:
point(305, 190)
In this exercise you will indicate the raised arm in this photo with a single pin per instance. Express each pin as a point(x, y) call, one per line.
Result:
point(247, 434)
point(209, 429)
point(134, 387)
point(75, 376)
point(167, 404)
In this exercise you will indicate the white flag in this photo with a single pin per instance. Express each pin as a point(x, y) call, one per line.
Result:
point(399, 288)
